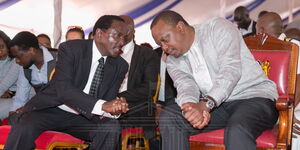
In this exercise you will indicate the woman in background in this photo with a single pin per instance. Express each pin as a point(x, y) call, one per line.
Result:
point(9, 72)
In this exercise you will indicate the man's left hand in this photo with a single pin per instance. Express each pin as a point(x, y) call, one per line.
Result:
point(7, 94)
point(196, 113)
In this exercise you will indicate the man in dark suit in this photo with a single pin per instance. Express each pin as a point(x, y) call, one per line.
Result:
point(81, 97)
point(245, 24)
point(139, 84)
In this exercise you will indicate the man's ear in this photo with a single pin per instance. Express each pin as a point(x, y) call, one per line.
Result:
point(31, 50)
point(99, 33)
point(180, 27)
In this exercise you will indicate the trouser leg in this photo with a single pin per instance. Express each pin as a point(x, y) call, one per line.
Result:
point(100, 133)
point(248, 119)
point(5, 104)
point(28, 128)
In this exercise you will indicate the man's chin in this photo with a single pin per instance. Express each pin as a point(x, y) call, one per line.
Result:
point(27, 66)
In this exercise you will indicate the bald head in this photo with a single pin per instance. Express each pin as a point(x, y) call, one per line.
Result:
point(270, 23)
point(130, 24)
point(128, 20)
point(169, 17)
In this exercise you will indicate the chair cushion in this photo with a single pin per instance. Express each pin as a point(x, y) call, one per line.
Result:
point(5, 121)
point(44, 140)
point(266, 139)
point(278, 71)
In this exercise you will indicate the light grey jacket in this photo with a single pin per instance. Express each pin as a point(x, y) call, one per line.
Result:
point(234, 73)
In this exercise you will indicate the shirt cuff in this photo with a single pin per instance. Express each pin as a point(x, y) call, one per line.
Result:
point(97, 110)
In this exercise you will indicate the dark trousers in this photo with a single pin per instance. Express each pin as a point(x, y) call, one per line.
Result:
point(243, 120)
point(101, 133)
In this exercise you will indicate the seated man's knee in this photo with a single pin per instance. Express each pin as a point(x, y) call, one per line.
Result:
point(237, 128)
point(111, 125)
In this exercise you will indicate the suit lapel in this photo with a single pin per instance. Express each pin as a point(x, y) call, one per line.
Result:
point(133, 65)
point(109, 74)
point(86, 64)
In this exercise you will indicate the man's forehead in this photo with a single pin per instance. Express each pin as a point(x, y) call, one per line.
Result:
point(118, 26)
point(161, 28)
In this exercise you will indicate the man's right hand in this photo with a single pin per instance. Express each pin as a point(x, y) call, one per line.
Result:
point(7, 94)
point(116, 106)
point(19, 110)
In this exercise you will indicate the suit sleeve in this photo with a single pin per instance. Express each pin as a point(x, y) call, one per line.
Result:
point(62, 80)
point(150, 69)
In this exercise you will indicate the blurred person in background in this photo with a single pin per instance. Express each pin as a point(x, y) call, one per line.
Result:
point(245, 24)
point(44, 40)
point(91, 35)
point(74, 33)
point(9, 72)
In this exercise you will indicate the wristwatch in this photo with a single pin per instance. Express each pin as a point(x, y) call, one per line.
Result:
point(210, 103)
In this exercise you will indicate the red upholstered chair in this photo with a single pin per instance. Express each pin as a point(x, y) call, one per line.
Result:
point(279, 61)
point(48, 140)
point(5, 121)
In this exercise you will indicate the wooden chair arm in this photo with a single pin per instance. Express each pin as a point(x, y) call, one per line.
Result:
point(282, 104)
point(285, 110)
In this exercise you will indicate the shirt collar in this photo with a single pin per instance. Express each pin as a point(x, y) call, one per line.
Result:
point(128, 47)
point(282, 36)
point(195, 42)
point(5, 60)
point(96, 55)
point(46, 54)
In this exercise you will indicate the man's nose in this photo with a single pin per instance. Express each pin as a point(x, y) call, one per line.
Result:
point(122, 41)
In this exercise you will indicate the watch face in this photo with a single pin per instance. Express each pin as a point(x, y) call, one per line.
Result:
point(210, 104)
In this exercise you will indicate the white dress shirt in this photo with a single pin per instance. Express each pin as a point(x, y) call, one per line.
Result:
point(127, 55)
point(163, 68)
point(97, 110)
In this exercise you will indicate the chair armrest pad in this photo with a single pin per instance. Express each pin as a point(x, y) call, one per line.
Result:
point(282, 104)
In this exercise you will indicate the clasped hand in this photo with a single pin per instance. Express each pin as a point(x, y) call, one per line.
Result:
point(116, 106)
point(196, 113)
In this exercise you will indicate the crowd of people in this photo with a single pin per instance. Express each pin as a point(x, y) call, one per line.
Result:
point(100, 85)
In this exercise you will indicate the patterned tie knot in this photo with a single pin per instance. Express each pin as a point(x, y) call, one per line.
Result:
point(101, 61)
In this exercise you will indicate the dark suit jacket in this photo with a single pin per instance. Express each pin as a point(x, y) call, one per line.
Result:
point(142, 80)
point(253, 30)
point(71, 75)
